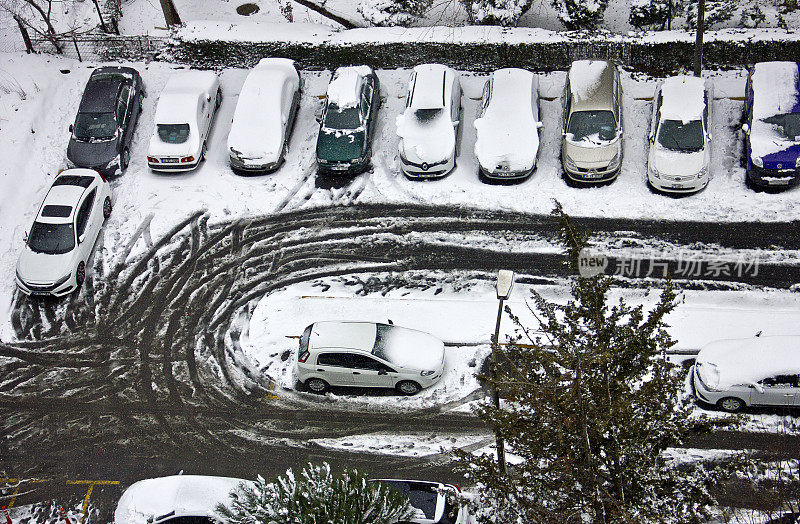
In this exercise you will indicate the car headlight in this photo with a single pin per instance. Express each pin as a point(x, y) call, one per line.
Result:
point(614, 162)
point(63, 279)
point(654, 172)
point(703, 172)
point(757, 161)
point(427, 373)
point(570, 164)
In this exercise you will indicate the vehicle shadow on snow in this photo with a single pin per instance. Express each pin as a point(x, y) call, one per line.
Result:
point(350, 391)
point(323, 181)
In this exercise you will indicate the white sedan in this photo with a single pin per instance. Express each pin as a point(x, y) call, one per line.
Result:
point(264, 117)
point(508, 127)
point(184, 115)
point(680, 135)
point(63, 234)
point(429, 127)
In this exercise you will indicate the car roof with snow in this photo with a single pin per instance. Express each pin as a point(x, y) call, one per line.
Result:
point(591, 83)
point(776, 86)
point(683, 98)
point(742, 361)
point(155, 500)
point(344, 89)
point(65, 193)
point(345, 335)
point(433, 86)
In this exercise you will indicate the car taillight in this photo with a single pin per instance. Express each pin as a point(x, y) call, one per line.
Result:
point(457, 488)
point(152, 160)
point(187, 159)
point(303, 356)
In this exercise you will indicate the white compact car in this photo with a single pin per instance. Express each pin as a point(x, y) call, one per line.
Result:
point(436, 503)
point(180, 499)
point(680, 135)
point(184, 115)
point(430, 125)
point(368, 354)
point(264, 117)
point(508, 127)
point(61, 240)
point(761, 371)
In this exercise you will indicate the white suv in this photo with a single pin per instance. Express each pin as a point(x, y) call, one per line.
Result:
point(368, 354)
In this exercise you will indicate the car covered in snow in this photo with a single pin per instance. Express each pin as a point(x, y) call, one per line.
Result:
point(508, 126)
point(184, 115)
point(591, 145)
point(429, 127)
point(103, 130)
point(368, 354)
point(772, 125)
point(434, 502)
point(680, 135)
point(344, 143)
point(178, 499)
point(264, 117)
point(759, 371)
point(62, 237)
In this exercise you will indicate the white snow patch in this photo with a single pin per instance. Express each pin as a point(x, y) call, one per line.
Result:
point(343, 90)
point(401, 444)
point(683, 98)
point(585, 76)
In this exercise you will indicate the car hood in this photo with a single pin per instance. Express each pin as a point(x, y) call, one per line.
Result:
point(784, 159)
point(431, 141)
point(41, 268)
point(340, 146)
point(591, 156)
point(91, 154)
point(678, 163)
point(412, 350)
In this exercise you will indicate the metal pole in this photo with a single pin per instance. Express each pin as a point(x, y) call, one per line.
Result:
point(698, 44)
point(501, 450)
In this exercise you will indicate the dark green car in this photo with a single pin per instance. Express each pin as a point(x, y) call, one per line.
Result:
point(344, 144)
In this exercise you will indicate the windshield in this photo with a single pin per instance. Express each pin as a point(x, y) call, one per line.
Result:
point(97, 126)
point(347, 118)
point(679, 136)
point(789, 125)
point(52, 239)
point(427, 115)
point(592, 126)
point(173, 133)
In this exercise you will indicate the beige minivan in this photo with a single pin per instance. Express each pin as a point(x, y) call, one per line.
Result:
point(591, 147)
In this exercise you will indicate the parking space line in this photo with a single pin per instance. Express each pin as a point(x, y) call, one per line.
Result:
point(89, 490)
point(18, 483)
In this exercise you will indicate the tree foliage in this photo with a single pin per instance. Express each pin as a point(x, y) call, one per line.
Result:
point(653, 14)
point(591, 403)
point(716, 12)
point(317, 496)
point(496, 12)
point(393, 12)
point(580, 14)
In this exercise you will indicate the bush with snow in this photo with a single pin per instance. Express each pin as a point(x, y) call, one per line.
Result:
point(497, 12)
point(580, 14)
point(716, 12)
point(653, 14)
point(393, 12)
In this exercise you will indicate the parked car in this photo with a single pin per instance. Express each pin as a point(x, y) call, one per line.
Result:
point(429, 127)
point(680, 135)
point(103, 130)
point(62, 238)
point(435, 503)
point(368, 354)
point(184, 115)
point(772, 125)
point(508, 126)
point(344, 143)
point(760, 371)
point(591, 148)
point(177, 499)
point(264, 117)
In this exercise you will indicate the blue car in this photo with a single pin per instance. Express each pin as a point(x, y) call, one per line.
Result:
point(772, 125)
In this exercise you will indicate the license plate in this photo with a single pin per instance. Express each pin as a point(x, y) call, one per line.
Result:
point(677, 186)
point(340, 167)
point(39, 293)
point(169, 160)
point(779, 182)
point(593, 175)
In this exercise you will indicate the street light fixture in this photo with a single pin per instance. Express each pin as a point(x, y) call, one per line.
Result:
point(505, 281)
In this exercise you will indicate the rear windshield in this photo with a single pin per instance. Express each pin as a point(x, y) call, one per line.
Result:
point(421, 495)
point(173, 133)
point(592, 126)
point(304, 340)
point(347, 118)
point(74, 180)
point(424, 116)
point(52, 239)
point(788, 124)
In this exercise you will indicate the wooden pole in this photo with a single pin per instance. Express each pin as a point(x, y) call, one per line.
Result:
point(698, 44)
point(25, 36)
point(100, 16)
point(170, 13)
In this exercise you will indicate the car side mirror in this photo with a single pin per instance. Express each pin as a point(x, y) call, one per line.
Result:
point(539, 125)
point(746, 129)
point(25, 238)
point(318, 118)
point(651, 137)
point(758, 387)
point(455, 123)
point(81, 238)
point(71, 127)
point(208, 98)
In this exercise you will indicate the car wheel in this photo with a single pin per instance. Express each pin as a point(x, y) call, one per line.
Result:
point(730, 404)
point(316, 385)
point(408, 387)
point(80, 275)
point(107, 208)
point(126, 158)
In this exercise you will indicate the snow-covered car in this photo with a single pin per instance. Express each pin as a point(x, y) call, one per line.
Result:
point(184, 115)
point(772, 125)
point(344, 143)
point(434, 502)
point(680, 135)
point(264, 117)
point(368, 354)
point(429, 127)
point(508, 126)
point(61, 240)
point(181, 499)
point(103, 130)
point(591, 147)
point(760, 371)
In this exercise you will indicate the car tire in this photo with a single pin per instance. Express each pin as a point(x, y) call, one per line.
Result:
point(106, 208)
point(125, 159)
point(731, 404)
point(317, 385)
point(80, 276)
point(408, 387)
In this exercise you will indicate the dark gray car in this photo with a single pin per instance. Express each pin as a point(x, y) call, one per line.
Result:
point(103, 130)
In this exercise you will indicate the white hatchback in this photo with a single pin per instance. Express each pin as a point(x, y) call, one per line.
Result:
point(62, 238)
point(368, 354)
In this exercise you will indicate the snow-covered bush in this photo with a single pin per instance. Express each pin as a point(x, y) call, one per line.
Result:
point(716, 12)
point(648, 14)
point(393, 12)
point(497, 12)
point(316, 496)
point(580, 14)
point(752, 16)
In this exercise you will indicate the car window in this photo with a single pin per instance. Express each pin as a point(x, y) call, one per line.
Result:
point(365, 362)
point(173, 133)
point(411, 82)
point(705, 110)
point(52, 239)
point(487, 93)
point(781, 381)
point(97, 126)
point(83, 213)
point(122, 103)
point(339, 360)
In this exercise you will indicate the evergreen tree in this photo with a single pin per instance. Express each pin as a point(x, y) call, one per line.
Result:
point(393, 12)
point(651, 14)
point(590, 405)
point(580, 14)
point(496, 12)
point(316, 497)
point(716, 12)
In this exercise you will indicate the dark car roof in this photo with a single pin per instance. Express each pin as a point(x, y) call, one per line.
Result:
point(100, 95)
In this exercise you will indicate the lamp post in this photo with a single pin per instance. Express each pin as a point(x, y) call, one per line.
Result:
point(505, 281)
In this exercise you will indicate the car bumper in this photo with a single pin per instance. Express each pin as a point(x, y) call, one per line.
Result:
point(591, 175)
point(245, 168)
point(505, 175)
point(173, 168)
point(46, 290)
point(773, 178)
point(341, 168)
point(423, 171)
point(687, 184)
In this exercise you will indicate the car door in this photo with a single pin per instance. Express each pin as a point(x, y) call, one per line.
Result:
point(366, 106)
point(83, 229)
point(335, 367)
point(370, 372)
point(124, 113)
point(778, 390)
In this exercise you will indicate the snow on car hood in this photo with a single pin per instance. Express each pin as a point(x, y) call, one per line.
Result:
point(676, 162)
point(428, 141)
point(726, 363)
point(42, 268)
point(409, 348)
point(581, 154)
point(91, 154)
point(766, 139)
